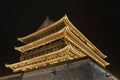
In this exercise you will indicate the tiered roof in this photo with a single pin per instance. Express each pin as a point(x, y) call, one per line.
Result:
point(77, 46)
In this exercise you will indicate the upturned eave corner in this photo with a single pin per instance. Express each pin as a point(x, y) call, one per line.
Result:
point(21, 40)
point(18, 49)
point(6, 65)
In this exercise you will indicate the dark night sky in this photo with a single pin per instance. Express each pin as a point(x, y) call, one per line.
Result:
point(97, 20)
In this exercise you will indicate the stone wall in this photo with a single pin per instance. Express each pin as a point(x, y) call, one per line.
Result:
point(99, 73)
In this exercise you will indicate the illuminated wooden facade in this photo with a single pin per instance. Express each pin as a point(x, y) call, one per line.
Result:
point(55, 43)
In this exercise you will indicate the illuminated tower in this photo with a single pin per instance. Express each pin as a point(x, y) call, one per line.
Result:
point(54, 45)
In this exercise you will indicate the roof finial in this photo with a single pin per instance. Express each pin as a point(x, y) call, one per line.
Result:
point(47, 17)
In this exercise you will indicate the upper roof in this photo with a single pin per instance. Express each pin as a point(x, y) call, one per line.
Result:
point(44, 26)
